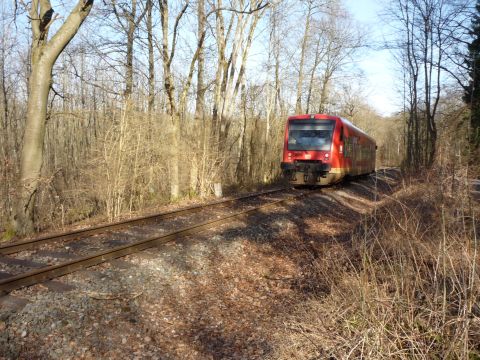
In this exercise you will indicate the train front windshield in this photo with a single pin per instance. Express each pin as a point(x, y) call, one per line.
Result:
point(310, 134)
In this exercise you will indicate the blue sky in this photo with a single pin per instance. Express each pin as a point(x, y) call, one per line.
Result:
point(381, 87)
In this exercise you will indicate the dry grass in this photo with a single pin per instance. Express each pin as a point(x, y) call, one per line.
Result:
point(407, 286)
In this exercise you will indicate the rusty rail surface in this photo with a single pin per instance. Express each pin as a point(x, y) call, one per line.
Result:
point(29, 244)
point(49, 272)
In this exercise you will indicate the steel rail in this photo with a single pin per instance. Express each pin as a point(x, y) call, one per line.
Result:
point(15, 247)
point(49, 272)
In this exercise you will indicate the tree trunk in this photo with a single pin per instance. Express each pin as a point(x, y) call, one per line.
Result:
point(44, 53)
point(298, 104)
point(175, 159)
point(200, 102)
point(151, 60)
point(222, 68)
point(171, 104)
point(32, 151)
point(130, 38)
point(6, 158)
point(324, 94)
point(172, 109)
point(240, 170)
point(312, 74)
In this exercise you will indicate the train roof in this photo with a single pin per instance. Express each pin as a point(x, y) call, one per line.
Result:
point(345, 121)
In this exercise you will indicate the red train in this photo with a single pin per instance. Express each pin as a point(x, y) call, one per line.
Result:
point(322, 149)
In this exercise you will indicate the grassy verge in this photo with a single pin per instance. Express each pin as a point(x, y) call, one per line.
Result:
point(407, 285)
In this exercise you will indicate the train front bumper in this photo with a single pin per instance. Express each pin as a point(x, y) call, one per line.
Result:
point(305, 172)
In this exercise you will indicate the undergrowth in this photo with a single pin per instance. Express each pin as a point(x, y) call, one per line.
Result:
point(406, 286)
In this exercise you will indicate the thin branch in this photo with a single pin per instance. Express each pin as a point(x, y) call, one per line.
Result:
point(248, 12)
point(175, 32)
point(118, 16)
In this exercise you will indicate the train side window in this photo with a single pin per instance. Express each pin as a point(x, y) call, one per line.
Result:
point(341, 133)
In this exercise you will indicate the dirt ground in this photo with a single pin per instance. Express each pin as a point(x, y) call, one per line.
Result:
point(214, 296)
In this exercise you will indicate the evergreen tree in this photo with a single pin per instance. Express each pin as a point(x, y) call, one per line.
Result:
point(472, 93)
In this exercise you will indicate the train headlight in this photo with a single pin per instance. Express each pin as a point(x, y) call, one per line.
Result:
point(327, 156)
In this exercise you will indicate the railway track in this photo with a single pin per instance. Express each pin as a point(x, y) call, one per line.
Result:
point(15, 247)
point(44, 258)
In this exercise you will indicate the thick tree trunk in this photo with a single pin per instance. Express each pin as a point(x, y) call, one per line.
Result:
point(44, 54)
point(32, 152)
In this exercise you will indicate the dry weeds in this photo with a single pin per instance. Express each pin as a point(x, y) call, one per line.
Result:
point(406, 286)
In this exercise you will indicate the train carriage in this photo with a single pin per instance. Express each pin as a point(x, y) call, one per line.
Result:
point(321, 149)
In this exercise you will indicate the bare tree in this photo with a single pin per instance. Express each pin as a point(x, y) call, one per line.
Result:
point(303, 51)
point(175, 109)
point(200, 101)
point(428, 28)
point(341, 40)
point(129, 19)
point(151, 58)
point(44, 53)
point(6, 151)
point(231, 66)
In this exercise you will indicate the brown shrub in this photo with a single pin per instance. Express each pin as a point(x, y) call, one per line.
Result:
point(406, 286)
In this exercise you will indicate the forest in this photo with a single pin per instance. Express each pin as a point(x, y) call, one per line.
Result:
point(110, 107)
point(143, 211)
